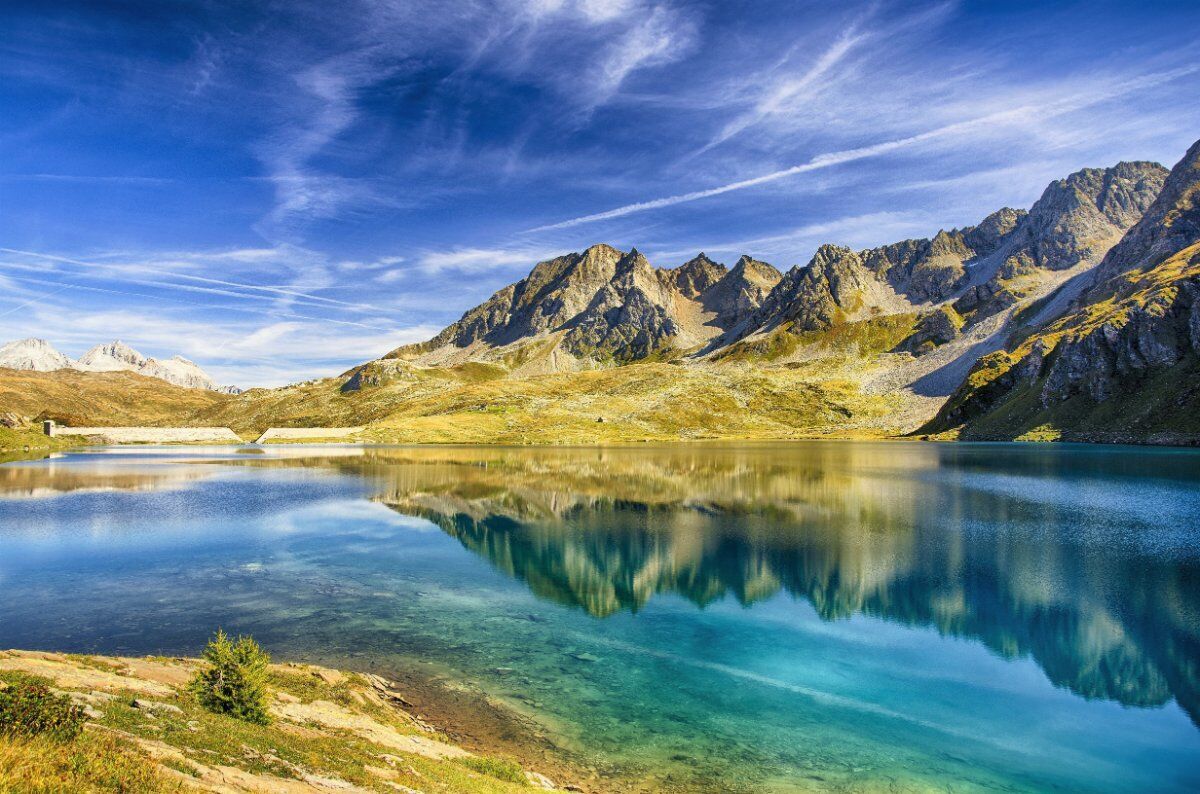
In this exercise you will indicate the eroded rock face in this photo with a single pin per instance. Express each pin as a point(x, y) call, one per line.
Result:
point(936, 328)
point(833, 287)
point(736, 295)
point(1076, 216)
point(697, 275)
point(933, 270)
point(1171, 224)
point(628, 318)
point(1140, 317)
point(1075, 221)
point(1153, 336)
point(554, 292)
point(610, 306)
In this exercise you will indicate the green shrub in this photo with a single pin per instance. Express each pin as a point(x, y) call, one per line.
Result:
point(235, 681)
point(30, 708)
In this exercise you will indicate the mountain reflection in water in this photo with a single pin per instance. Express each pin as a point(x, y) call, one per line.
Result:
point(1091, 577)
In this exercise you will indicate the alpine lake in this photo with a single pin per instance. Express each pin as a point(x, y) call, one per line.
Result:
point(767, 617)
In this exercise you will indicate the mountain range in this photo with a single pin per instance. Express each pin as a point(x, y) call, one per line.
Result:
point(1076, 319)
point(38, 355)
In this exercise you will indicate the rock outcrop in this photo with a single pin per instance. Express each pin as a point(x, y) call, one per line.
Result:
point(834, 287)
point(1075, 222)
point(931, 271)
point(604, 306)
point(628, 318)
point(741, 292)
point(694, 277)
point(1137, 327)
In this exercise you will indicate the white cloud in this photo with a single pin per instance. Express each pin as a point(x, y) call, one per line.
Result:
point(660, 37)
point(164, 271)
point(480, 260)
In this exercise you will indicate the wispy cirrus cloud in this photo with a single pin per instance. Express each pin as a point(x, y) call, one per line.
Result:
point(1017, 115)
point(785, 93)
point(91, 179)
point(168, 270)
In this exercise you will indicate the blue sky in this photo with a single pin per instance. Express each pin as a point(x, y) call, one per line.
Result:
point(279, 190)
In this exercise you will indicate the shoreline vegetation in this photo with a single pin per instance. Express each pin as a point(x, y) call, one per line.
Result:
point(322, 730)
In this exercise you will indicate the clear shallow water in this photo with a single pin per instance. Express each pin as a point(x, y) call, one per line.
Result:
point(758, 617)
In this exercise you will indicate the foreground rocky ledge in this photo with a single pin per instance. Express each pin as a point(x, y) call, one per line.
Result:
point(331, 731)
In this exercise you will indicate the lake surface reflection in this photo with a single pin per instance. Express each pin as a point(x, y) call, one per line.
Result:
point(828, 615)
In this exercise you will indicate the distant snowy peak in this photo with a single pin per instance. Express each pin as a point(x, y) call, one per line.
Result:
point(40, 355)
point(180, 371)
point(33, 354)
point(111, 358)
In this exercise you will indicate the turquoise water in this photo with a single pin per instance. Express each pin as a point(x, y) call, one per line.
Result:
point(757, 617)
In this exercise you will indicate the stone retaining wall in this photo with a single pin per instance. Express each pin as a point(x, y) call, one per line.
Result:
point(152, 435)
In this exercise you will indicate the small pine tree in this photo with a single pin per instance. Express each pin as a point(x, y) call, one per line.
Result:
point(235, 680)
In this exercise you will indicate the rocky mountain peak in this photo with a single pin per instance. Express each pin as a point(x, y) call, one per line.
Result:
point(1079, 217)
point(180, 371)
point(1074, 223)
point(116, 355)
point(835, 286)
point(986, 236)
point(696, 275)
point(755, 271)
point(40, 355)
point(740, 291)
point(606, 305)
point(1170, 224)
point(1138, 323)
point(633, 261)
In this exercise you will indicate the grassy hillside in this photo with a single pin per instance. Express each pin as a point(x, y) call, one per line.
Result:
point(1163, 408)
point(100, 398)
point(145, 732)
point(630, 403)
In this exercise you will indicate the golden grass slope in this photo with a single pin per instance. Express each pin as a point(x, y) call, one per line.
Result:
point(636, 402)
point(100, 398)
point(787, 386)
